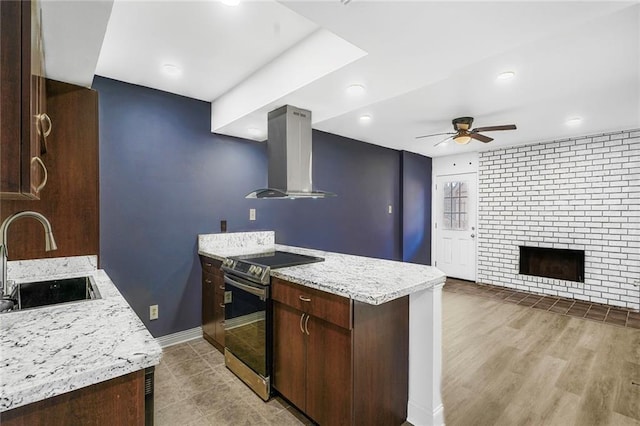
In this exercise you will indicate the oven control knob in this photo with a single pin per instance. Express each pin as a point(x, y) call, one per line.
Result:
point(258, 270)
point(252, 268)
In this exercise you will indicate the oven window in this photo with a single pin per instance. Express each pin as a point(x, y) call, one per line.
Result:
point(245, 328)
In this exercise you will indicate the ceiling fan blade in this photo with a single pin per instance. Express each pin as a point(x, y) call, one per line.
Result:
point(481, 138)
point(492, 128)
point(444, 140)
point(435, 134)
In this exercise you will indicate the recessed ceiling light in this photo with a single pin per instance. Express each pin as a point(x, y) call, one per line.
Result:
point(171, 69)
point(507, 75)
point(355, 89)
point(254, 131)
point(230, 2)
point(365, 118)
point(574, 121)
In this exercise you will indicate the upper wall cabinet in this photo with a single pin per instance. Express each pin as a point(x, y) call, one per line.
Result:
point(24, 123)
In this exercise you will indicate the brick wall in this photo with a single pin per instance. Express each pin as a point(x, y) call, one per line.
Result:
point(581, 194)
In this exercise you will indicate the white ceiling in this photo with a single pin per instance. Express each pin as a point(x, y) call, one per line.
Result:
point(422, 63)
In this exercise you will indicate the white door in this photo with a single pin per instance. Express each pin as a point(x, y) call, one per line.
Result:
point(455, 225)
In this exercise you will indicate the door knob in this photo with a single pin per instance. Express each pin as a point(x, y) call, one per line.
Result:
point(473, 235)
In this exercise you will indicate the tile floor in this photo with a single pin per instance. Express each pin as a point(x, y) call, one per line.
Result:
point(559, 305)
point(194, 388)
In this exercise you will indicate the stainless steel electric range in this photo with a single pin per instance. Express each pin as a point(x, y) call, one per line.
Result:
point(248, 315)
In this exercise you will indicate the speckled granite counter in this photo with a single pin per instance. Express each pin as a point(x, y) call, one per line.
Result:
point(52, 350)
point(364, 279)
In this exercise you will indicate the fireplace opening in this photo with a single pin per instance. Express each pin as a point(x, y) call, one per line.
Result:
point(562, 264)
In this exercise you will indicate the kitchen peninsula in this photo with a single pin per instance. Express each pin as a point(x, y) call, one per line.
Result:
point(74, 362)
point(373, 287)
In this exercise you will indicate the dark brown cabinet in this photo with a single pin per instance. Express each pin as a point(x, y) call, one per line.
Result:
point(290, 356)
point(340, 361)
point(212, 302)
point(312, 361)
point(23, 118)
point(71, 199)
point(119, 401)
point(329, 395)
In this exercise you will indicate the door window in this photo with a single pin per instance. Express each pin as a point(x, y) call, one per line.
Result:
point(455, 201)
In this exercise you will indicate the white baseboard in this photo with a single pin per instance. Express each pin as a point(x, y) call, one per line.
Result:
point(420, 416)
point(179, 337)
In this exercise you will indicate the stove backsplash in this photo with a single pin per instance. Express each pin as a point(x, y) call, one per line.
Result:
point(577, 194)
point(261, 241)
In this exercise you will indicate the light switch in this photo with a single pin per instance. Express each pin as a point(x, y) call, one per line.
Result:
point(252, 214)
point(390, 209)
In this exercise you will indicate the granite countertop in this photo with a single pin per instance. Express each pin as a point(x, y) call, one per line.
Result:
point(52, 350)
point(365, 279)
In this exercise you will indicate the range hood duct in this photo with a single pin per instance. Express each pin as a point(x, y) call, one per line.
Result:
point(289, 154)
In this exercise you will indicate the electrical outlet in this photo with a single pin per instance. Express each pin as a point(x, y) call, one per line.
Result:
point(252, 214)
point(153, 312)
point(390, 209)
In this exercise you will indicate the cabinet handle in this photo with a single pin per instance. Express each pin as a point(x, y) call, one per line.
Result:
point(301, 319)
point(208, 265)
point(222, 305)
point(45, 176)
point(306, 322)
point(44, 117)
point(40, 118)
point(304, 299)
point(221, 287)
point(207, 281)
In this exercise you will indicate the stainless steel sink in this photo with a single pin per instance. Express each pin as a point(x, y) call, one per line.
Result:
point(54, 292)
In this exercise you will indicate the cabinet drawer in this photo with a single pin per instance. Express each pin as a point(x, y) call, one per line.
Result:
point(210, 265)
point(329, 307)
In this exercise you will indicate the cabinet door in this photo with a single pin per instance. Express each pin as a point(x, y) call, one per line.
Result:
point(208, 305)
point(329, 375)
point(218, 308)
point(11, 95)
point(22, 170)
point(289, 354)
point(39, 126)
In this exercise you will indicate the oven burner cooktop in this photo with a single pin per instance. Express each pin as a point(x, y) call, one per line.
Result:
point(256, 267)
point(279, 259)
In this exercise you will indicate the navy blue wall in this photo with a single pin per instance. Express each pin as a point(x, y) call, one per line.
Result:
point(165, 178)
point(416, 207)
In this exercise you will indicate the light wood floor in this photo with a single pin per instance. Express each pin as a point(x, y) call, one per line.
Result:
point(506, 364)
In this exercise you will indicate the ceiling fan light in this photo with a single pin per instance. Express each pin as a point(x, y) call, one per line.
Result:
point(462, 139)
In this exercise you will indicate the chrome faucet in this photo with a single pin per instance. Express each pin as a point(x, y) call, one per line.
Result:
point(49, 242)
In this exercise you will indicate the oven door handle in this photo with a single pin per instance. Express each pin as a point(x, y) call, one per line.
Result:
point(261, 293)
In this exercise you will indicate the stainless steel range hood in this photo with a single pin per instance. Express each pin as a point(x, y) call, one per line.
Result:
point(289, 154)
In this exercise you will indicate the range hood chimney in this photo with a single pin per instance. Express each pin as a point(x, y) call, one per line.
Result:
point(289, 154)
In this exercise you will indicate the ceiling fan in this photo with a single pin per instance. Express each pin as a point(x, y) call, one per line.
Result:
point(463, 135)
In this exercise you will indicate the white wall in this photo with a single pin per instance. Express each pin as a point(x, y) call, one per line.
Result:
point(581, 194)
